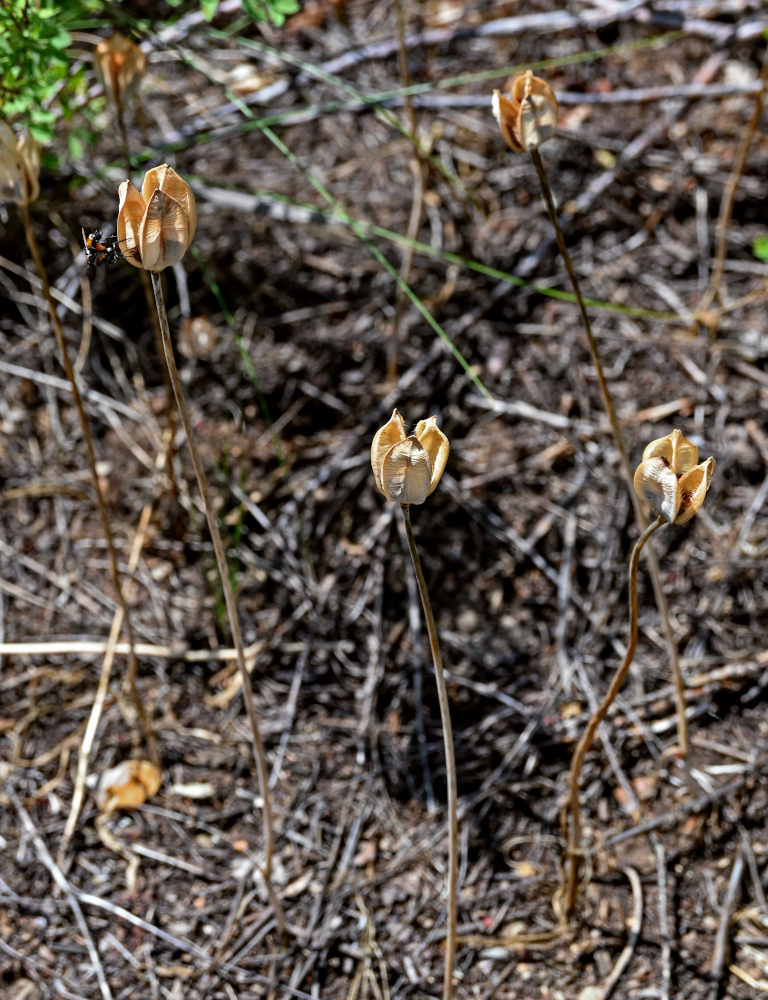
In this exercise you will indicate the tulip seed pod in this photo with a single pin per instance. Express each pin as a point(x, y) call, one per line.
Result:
point(529, 115)
point(19, 167)
point(155, 226)
point(407, 468)
point(671, 477)
point(121, 64)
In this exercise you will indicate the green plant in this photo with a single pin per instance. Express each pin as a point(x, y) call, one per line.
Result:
point(35, 63)
point(760, 247)
point(262, 11)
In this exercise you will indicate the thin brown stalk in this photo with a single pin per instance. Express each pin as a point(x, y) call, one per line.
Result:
point(712, 320)
point(618, 437)
point(417, 201)
point(571, 811)
point(229, 598)
point(450, 760)
point(78, 794)
point(130, 677)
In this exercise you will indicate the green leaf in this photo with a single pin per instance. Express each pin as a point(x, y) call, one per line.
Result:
point(49, 161)
point(61, 40)
point(760, 247)
point(76, 148)
point(208, 8)
point(254, 9)
point(41, 117)
point(41, 133)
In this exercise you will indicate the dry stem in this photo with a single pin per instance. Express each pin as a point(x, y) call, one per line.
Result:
point(130, 678)
point(418, 168)
point(450, 760)
point(726, 211)
point(571, 811)
point(78, 794)
point(229, 597)
point(653, 566)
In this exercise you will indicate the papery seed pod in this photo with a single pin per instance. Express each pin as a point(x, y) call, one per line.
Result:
point(679, 453)
point(693, 488)
point(155, 226)
point(672, 479)
point(197, 337)
point(656, 482)
point(408, 468)
point(127, 785)
point(19, 167)
point(528, 116)
point(121, 65)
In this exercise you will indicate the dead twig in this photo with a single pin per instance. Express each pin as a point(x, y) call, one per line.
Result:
point(635, 926)
point(722, 940)
point(58, 877)
point(703, 315)
point(78, 793)
point(663, 921)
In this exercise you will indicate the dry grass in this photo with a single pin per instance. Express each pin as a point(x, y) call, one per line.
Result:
point(524, 544)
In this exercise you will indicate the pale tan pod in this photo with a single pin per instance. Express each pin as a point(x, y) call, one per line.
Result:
point(386, 436)
point(537, 119)
point(165, 179)
point(11, 169)
point(19, 167)
point(121, 64)
point(163, 232)
point(693, 488)
point(656, 482)
point(156, 225)
point(505, 114)
point(406, 472)
point(528, 116)
point(127, 785)
point(681, 453)
point(437, 447)
point(29, 154)
point(131, 207)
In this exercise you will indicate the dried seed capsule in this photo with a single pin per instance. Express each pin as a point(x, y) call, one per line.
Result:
point(155, 226)
point(121, 65)
point(407, 468)
point(671, 477)
point(19, 167)
point(528, 116)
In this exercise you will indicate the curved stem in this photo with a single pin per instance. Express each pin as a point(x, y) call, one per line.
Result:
point(571, 811)
point(229, 597)
point(130, 678)
point(450, 760)
point(653, 566)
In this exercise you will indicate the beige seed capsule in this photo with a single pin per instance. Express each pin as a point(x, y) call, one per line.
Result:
point(407, 468)
point(672, 479)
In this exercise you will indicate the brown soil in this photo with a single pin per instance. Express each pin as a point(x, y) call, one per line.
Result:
point(525, 542)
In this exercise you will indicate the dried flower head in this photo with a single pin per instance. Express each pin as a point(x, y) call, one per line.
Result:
point(19, 167)
point(528, 116)
point(127, 785)
point(121, 65)
point(672, 478)
point(408, 468)
point(155, 226)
